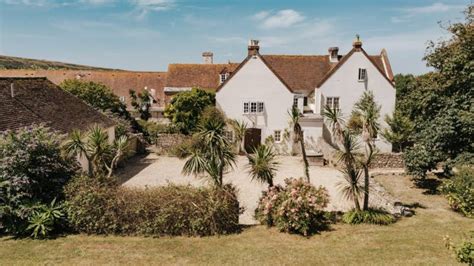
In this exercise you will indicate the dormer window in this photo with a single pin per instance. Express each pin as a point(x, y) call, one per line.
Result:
point(362, 74)
point(223, 77)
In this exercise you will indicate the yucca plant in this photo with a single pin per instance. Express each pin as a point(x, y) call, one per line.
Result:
point(44, 219)
point(367, 112)
point(240, 128)
point(351, 189)
point(94, 145)
point(336, 121)
point(263, 164)
point(213, 156)
point(298, 137)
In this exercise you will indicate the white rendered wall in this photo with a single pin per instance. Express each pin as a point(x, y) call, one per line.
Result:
point(256, 82)
point(345, 85)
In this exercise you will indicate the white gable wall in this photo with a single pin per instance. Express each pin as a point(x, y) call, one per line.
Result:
point(256, 82)
point(345, 85)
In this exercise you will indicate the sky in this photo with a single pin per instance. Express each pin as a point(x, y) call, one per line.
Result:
point(148, 35)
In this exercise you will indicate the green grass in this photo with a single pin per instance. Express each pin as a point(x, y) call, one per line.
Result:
point(415, 240)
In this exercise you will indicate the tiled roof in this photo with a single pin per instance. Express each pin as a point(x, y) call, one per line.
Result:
point(120, 82)
point(39, 101)
point(300, 72)
point(205, 76)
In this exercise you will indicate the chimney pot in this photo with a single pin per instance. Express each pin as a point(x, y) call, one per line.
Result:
point(253, 47)
point(333, 54)
point(208, 57)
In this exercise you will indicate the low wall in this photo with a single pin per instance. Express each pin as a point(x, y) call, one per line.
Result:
point(388, 160)
point(165, 142)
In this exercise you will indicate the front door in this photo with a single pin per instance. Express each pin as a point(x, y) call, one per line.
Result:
point(252, 139)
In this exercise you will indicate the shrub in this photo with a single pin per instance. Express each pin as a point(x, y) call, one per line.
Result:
point(32, 172)
point(418, 160)
point(370, 216)
point(295, 208)
point(102, 207)
point(46, 219)
point(151, 130)
point(464, 252)
point(459, 190)
point(184, 149)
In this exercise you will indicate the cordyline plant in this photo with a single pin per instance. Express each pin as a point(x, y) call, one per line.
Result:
point(240, 128)
point(263, 164)
point(102, 156)
point(298, 136)
point(212, 154)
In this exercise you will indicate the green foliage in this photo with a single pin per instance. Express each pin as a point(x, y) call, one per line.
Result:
point(365, 117)
point(418, 159)
point(459, 190)
point(100, 206)
point(152, 129)
point(213, 154)
point(298, 136)
point(464, 252)
point(142, 103)
point(101, 155)
point(440, 104)
point(369, 216)
point(47, 218)
point(185, 148)
point(32, 172)
point(239, 128)
point(400, 131)
point(185, 109)
point(336, 121)
point(97, 95)
point(263, 164)
point(296, 208)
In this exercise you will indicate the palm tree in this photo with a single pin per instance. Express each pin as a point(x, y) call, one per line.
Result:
point(351, 189)
point(298, 136)
point(263, 164)
point(94, 145)
point(240, 128)
point(367, 112)
point(334, 116)
point(213, 155)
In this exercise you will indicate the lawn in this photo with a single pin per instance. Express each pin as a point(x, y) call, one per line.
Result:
point(415, 240)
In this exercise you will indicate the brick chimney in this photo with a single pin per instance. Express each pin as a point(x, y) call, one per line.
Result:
point(333, 54)
point(208, 57)
point(253, 47)
point(357, 43)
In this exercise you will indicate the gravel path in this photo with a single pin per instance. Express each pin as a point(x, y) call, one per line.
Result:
point(166, 170)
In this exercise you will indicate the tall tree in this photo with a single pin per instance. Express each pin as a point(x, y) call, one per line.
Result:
point(443, 103)
point(367, 112)
point(263, 164)
point(298, 137)
point(186, 108)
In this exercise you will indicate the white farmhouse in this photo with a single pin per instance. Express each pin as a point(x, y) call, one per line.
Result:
point(264, 88)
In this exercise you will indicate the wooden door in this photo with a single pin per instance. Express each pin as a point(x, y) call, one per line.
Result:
point(252, 139)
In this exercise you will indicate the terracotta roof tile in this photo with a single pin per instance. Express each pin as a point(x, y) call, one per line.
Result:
point(205, 76)
point(120, 82)
point(37, 100)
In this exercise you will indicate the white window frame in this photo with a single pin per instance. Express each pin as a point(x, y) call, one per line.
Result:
point(254, 107)
point(275, 134)
point(362, 74)
point(330, 101)
point(223, 77)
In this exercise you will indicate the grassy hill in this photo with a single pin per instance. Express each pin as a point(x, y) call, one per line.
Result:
point(10, 62)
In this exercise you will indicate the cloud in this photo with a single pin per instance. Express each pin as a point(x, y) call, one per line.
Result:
point(144, 7)
point(281, 19)
point(434, 8)
point(409, 12)
point(96, 2)
point(28, 2)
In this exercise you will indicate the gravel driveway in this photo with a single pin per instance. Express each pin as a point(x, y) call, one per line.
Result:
point(164, 170)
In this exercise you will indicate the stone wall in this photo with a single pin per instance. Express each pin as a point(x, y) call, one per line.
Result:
point(388, 160)
point(166, 142)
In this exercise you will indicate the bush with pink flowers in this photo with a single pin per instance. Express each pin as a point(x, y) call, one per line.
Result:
point(296, 208)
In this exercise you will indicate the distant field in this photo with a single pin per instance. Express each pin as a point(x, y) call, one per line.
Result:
point(415, 240)
point(10, 62)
